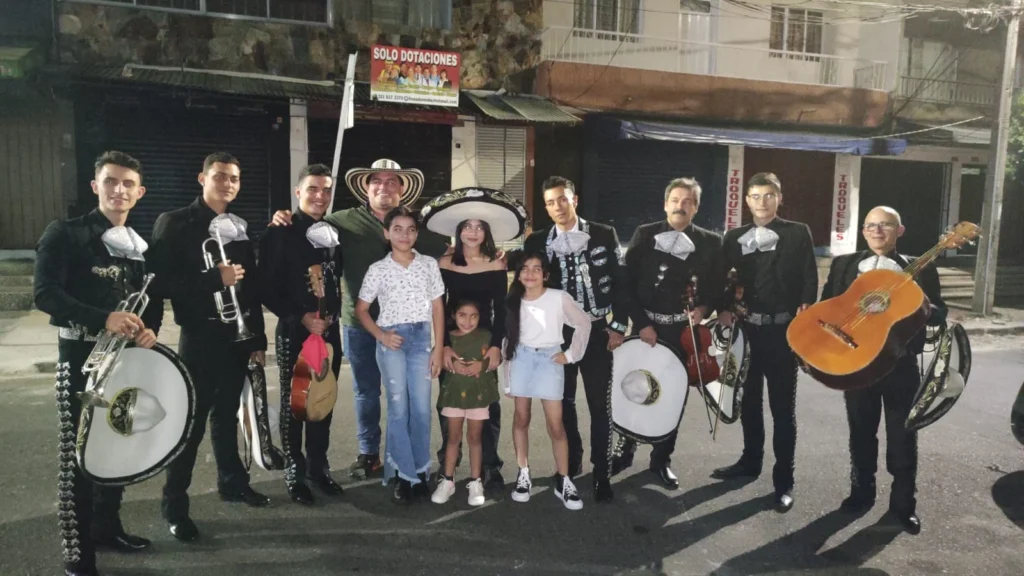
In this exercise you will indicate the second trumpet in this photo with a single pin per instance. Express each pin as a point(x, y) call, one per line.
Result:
point(227, 311)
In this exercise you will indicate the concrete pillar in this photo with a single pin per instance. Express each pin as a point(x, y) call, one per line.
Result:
point(734, 189)
point(298, 144)
point(845, 205)
point(464, 155)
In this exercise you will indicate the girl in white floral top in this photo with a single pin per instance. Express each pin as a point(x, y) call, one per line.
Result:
point(409, 288)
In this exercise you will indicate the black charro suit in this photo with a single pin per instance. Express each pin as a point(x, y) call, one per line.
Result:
point(776, 283)
point(894, 393)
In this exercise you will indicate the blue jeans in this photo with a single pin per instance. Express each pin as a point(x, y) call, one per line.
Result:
point(361, 348)
point(406, 376)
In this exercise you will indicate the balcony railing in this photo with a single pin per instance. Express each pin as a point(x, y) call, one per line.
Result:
point(947, 91)
point(706, 58)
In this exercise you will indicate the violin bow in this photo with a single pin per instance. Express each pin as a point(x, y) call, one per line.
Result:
point(696, 361)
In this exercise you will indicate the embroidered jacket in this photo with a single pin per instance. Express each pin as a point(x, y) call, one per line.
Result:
point(595, 276)
point(78, 283)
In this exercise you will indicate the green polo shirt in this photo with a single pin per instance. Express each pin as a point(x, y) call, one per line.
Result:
point(361, 241)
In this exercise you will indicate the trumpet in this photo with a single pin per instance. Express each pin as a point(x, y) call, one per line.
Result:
point(230, 311)
point(108, 347)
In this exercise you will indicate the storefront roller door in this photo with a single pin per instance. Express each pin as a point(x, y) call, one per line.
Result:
point(172, 141)
point(501, 164)
point(624, 180)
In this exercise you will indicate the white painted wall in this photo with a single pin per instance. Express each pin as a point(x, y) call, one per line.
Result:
point(742, 38)
point(298, 144)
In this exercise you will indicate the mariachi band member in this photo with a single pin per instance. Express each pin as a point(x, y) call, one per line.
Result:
point(286, 255)
point(893, 394)
point(85, 267)
point(774, 261)
point(586, 262)
point(661, 260)
point(222, 328)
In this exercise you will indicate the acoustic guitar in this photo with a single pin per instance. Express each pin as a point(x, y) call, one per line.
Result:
point(853, 340)
point(314, 386)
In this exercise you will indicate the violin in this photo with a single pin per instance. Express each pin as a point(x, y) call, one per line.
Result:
point(734, 296)
point(701, 365)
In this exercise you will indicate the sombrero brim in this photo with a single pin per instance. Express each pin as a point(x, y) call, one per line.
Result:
point(121, 460)
point(505, 216)
point(358, 180)
point(654, 422)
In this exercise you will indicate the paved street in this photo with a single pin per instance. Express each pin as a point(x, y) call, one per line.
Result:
point(971, 501)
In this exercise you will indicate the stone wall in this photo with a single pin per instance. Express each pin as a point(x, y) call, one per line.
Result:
point(495, 38)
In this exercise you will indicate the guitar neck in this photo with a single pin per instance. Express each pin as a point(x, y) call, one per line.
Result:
point(925, 259)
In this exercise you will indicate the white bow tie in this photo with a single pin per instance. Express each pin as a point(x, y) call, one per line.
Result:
point(123, 242)
point(758, 238)
point(231, 228)
point(570, 243)
point(677, 244)
point(878, 262)
point(322, 235)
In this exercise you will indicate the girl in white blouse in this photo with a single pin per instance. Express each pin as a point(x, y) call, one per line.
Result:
point(534, 368)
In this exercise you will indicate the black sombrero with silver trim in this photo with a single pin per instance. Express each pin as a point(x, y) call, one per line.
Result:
point(503, 213)
point(649, 389)
point(358, 180)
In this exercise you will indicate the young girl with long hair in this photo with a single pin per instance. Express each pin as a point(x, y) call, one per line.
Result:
point(534, 366)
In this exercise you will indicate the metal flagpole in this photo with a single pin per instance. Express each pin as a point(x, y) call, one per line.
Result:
point(346, 119)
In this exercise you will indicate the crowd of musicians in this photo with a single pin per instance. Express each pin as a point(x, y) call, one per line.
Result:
point(409, 297)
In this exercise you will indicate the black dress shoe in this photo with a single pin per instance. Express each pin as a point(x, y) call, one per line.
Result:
point(301, 494)
point(185, 530)
point(327, 485)
point(403, 492)
point(667, 477)
point(247, 496)
point(911, 523)
point(602, 490)
point(737, 470)
point(783, 502)
point(123, 542)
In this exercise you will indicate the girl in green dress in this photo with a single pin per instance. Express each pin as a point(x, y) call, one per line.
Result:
point(466, 393)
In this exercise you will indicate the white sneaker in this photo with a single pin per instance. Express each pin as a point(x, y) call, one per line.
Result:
point(568, 494)
point(445, 490)
point(476, 493)
point(523, 486)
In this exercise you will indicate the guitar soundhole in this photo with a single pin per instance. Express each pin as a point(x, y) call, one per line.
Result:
point(874, 303)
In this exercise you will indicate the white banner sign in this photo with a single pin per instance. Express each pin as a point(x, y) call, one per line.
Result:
point(845, 205)
point(734, 189)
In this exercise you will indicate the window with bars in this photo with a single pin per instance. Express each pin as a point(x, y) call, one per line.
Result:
point(411, 13)
point(307, 11)
point(607, 19)
point(797, 30)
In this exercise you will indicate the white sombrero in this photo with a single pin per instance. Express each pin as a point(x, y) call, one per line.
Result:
point(503, 213)
point(649, 388)
point(358, 180)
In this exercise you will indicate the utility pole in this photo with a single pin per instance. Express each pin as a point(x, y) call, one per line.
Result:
point(992, 210)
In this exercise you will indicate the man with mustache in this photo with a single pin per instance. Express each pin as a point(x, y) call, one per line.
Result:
point(381, 187)
point(774, 260)
point(286, 255)
point(661, 260)
point(894, 394)
point(85, 267)
point(217, 360)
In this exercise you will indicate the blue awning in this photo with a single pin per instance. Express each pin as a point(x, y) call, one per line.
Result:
point(640, 130)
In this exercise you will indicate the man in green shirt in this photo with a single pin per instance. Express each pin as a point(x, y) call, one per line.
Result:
point(379, 188)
